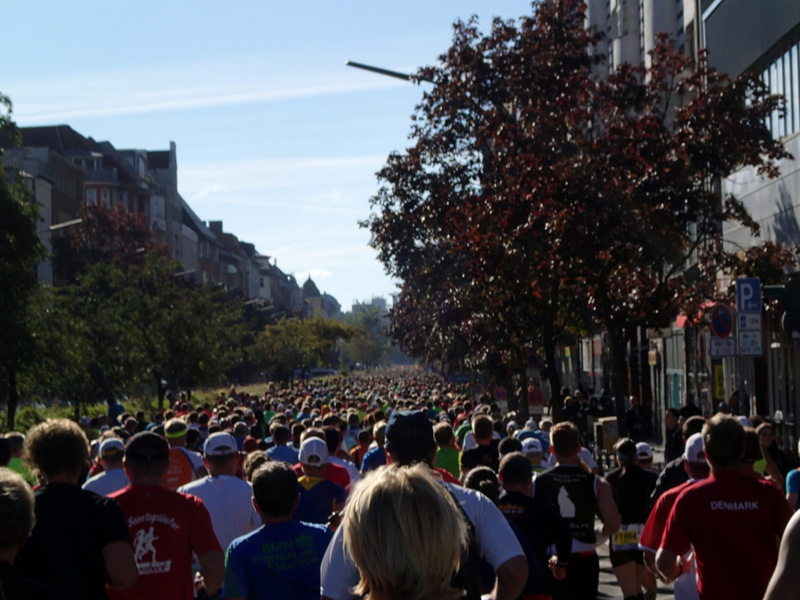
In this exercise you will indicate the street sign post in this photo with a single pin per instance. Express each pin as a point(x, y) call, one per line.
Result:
point(748, 295)
point(722, 320)
point(750, 343)
point(749, 322)
point(723, 347)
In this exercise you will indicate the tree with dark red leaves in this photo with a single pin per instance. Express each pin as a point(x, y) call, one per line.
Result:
point(542, 197)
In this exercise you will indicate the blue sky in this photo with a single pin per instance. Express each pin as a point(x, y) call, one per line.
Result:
point(276, 137)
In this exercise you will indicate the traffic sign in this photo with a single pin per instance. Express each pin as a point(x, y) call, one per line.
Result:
point(722, 320)
point(536, 398)
point(500, 393)
point(750, 343)
point(748, 294)
point(722, 347)
point(750, 322)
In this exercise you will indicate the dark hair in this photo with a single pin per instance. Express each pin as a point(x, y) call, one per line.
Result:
point(484, 480)
point(275, 488)
point(752, 447)
point(5, 451)
point(57, 446)
point(515, 469)
point(565, 439)
point(280, 434)
point(508, 445)
point(723, 440)
point(692, 425)
point(483, 426)
point(443, 433)
point(331, 439)
point(674, 412)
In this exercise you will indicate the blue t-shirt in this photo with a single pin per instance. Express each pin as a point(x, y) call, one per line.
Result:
point(276, 562)
point(373, 459)
point(318, 497)
point(793, 485)
point(288, 454)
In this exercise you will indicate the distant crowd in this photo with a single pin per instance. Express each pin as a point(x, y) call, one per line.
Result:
point(391, 486)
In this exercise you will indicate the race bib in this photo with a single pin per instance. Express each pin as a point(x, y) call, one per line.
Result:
point(627, 538)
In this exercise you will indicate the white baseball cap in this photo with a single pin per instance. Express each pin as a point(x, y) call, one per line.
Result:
point(314, 451)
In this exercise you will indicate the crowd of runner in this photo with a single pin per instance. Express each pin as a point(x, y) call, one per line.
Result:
point(389, 486)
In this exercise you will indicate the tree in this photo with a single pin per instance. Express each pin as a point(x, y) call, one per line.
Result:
point(297, 344)
point(20, 249)
point(105, 234)
point(539, 199)
point(282, 348)
point(369, 346)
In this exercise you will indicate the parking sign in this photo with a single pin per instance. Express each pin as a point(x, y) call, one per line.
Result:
point(748, 295)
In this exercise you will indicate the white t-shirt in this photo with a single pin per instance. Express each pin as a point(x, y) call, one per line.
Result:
point(355, 476)
point(229, 501)
point(107, 482)
point(585, 455)
point(494, 537)
point(470, 443)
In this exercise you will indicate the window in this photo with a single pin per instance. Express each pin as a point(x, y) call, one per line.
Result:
point(91, 196)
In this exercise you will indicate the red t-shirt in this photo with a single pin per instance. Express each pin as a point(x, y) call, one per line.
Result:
point(653, 531)
point(733, 522)
point(332, 472)
point(165, 528)
point(447, 476)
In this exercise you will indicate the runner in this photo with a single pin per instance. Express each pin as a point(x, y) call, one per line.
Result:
point(579, 496)
point(80, 541)
point(731, 520)
point(281, 559)
point(685, 586)
point(167, 527)
point(632, 487)
point(227, 498)
point(113, 477)
point(409, 436)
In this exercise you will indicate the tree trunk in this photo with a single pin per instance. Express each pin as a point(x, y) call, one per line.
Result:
point(161, 391)
point(553, 378)
point(618, 342)
point(13, 398)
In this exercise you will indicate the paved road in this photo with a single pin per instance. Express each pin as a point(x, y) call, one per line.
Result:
point(608, 584)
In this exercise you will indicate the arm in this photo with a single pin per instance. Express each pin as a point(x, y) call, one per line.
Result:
point(120, 565)
point(512, 576)
point(786, 579)
point(212, 564)
point(667, 564)
point(607, 507)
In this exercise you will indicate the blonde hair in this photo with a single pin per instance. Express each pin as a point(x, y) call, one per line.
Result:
point(405, 534)
point(16, 509)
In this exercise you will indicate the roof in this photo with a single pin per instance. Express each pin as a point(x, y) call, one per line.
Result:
point(62, 139)
point(310, 289)
point(191, 220)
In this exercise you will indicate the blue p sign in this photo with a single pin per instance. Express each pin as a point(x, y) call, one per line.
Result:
point(748, 295)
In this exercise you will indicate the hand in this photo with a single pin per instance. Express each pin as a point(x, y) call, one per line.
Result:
point(559, 571)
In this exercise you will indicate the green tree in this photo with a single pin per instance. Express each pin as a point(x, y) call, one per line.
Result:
point(283, 347)
point(370, 345)
point(20, 249)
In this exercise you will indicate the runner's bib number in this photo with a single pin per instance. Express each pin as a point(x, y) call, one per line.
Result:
point(627, 538)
